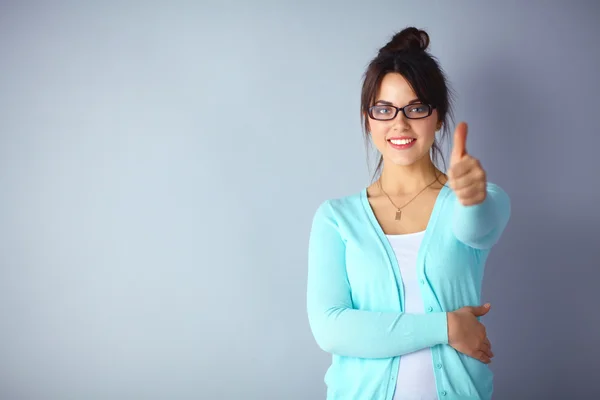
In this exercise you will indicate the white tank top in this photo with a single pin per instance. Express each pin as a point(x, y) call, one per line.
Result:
point(416, 380)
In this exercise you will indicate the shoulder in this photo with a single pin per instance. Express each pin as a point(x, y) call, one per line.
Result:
point(338, 207)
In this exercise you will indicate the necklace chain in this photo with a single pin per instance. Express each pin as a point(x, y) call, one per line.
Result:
point(399, 209)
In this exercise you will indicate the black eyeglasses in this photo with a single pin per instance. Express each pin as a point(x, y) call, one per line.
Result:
point(382, 112)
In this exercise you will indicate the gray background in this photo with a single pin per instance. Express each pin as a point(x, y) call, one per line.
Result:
point(160, 165)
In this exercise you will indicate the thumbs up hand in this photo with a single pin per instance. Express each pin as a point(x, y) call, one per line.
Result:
point(466, 177)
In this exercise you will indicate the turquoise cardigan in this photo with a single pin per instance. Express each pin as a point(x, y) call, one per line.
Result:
point(355, 298)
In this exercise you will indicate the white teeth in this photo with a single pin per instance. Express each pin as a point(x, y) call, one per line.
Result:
point(401, 141)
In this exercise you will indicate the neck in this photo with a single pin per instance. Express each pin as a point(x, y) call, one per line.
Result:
point(408, 179)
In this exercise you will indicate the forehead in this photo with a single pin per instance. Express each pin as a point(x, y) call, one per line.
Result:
point(396, 89)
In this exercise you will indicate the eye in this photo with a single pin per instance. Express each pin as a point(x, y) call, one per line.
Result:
point(383, 110)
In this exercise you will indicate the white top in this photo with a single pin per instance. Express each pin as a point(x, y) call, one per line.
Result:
point(416, 380)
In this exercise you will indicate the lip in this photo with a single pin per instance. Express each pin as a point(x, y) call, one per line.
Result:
point(402, 146)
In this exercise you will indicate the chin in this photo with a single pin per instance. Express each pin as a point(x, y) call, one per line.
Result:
point(403, 161)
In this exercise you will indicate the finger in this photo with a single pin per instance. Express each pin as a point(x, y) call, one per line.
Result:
point(459, 148)
point(467, 167)
point(460, 168)
point(487, 350)
point(483, 358)
point(471, 201)
point(465, 179)
point(479, 311)
point(471, 192)
point(488, 343)
point(472, 195)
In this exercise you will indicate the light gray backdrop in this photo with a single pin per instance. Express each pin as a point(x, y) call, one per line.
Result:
point(160, 165)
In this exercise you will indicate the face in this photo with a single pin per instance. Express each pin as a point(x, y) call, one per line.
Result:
point(401, 141)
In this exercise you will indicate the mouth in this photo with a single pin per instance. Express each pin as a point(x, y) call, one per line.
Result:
point(402, 142)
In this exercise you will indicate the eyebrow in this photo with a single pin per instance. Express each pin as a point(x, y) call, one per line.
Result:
point(389, 103)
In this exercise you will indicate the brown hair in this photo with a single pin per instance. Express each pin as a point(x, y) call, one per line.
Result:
point(406, 54)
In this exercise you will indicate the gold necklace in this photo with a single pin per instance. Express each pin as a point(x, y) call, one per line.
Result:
point(399, 209)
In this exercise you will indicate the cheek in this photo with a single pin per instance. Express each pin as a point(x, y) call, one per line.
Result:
point(427, 132)
point(429, 137)
point(378, 134)
point(378, 127)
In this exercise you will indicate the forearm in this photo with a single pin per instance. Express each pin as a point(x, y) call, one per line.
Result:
point(368, 334)
point(481, 225)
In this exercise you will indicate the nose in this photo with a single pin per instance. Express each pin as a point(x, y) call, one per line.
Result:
point(401, 122)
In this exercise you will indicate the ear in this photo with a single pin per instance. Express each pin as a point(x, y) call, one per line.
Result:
point(439, 126)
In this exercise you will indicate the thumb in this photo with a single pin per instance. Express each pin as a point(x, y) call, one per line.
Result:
point(481, 310)
point(459, 148)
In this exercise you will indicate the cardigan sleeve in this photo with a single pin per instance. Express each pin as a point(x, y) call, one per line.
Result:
point(480, 226)
point(340, 329)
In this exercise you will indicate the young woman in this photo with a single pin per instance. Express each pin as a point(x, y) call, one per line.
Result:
point(395, 271)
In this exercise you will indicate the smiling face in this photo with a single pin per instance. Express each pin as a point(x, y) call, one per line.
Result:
point(402, 141)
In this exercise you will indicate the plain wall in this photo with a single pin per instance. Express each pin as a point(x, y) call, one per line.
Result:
point(160, 164)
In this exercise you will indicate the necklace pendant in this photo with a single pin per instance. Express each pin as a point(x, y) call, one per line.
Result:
point(398, 215)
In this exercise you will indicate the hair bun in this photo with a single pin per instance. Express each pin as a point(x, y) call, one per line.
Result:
point(409, 39)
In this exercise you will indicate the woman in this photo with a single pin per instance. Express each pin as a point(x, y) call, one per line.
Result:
point(395, 271)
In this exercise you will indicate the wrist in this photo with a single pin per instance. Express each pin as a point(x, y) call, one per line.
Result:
point(451, 321)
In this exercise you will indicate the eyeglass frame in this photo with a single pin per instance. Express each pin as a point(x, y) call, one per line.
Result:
point(370, 109)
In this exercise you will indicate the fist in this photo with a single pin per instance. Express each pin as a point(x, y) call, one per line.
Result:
point(466, 177)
